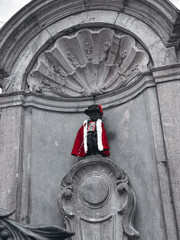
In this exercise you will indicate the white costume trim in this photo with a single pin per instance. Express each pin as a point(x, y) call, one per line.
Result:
point(85, 123)
point(99, 135)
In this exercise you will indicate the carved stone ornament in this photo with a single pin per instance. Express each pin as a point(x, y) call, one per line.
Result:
point(88, 63)
point(97, 201)
point(12, 230)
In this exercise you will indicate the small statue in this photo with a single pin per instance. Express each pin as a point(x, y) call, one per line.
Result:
point(91, 137)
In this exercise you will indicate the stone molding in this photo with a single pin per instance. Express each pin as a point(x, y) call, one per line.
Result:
point(166, 74)
point(30, 99)
point(40, 101)
point(97, 201)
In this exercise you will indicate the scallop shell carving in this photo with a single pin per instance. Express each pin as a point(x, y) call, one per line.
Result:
point(88, 63)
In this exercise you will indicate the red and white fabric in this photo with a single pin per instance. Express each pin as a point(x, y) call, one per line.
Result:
point(80, 147)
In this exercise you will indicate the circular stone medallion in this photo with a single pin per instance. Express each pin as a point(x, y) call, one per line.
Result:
point(95, 190)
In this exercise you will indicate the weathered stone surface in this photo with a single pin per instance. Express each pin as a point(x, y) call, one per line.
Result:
point(47, 157)
point(166, 74)
point(70, 105)
point(160, 54)
point(152, 104)
point(142, 120)
point(131, 143)
point(38, 16)
point(48, 141)
point(42, 30)
point(169, 99)
point(88, 63)
point(10, 156)
point(97, 201)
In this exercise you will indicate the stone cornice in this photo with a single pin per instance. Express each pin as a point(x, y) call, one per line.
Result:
point(166, 74)
point(25, 99)
point(38, 15)
point(40, 101)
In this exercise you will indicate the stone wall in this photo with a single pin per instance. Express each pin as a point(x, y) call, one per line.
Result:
point(56, 58)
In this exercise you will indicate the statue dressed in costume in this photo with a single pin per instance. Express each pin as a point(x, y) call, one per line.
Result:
point(91, 137)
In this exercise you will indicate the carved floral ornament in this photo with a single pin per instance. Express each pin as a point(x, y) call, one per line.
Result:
point(88, 63)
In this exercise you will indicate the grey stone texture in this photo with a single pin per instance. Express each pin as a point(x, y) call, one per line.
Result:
point(102, 62)
point(97, 201)
point(169, 98)
point(10, 157)
point(38, 128)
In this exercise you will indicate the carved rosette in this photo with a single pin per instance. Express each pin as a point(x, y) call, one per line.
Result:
point(88, 63)
point(97, 201)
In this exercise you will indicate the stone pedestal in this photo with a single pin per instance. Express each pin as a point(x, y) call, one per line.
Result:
point(97, 201)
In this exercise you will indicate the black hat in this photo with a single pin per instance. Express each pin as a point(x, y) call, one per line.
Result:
point(94, 108)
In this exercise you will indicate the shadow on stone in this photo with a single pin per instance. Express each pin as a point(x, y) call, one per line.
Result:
point(12, 230)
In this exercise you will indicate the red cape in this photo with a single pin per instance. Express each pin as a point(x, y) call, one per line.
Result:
point(78, 148)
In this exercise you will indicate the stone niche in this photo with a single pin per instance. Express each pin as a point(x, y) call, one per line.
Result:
point(57, 58)
point(97, 201)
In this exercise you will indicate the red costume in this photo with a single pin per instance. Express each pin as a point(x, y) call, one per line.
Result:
point(80, 148)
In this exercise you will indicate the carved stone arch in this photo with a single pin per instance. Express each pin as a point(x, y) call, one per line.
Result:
point(34, 28)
